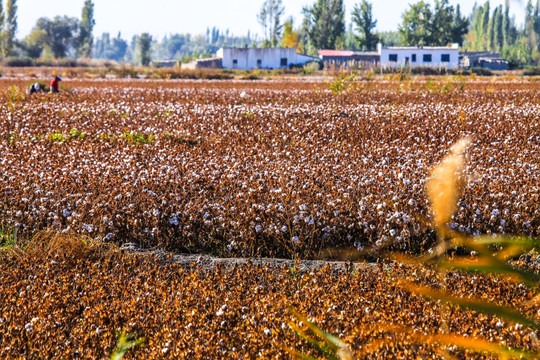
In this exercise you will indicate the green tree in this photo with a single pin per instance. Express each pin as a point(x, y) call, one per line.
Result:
point(324, 24)
point(460, 26)
point(270, 19)
point(497, 35)
point(441, 23)
point(10, 28)
point(173, 46)
point(34, 43)
point(441, 26)
point(415, 28)
point(144, 43)
point(490, 32)
point(485, 25)
point(531, 25)
point(86, 39)
point(61, 33)
point(362, 17)
point(390, 38)
point(478, 34)
point(532, 31)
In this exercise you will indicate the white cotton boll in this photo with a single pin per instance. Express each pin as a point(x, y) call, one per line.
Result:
point(258, 228)
point(156, 212)
point(295, 239)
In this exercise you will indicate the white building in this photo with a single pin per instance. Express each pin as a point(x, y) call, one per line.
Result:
point(262, 58)
point(427, 56)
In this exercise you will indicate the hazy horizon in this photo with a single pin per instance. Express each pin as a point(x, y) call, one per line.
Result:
point(239, 16)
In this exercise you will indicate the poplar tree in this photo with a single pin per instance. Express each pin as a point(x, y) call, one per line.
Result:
point(324, 24)
point(362, 17)
point(270, 19)
point(10, 28)
point(144, 42)
point(498, 41)
point(86, 38)
point(2, 33)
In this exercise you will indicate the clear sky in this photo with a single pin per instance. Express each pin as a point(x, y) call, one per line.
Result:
point(161, 17)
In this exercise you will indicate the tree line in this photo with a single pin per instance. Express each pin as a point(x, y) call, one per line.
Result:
point(492, 29)
point(323, 26)
point(436, 23)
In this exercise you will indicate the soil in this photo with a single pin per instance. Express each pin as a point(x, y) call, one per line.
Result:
point(211, 262)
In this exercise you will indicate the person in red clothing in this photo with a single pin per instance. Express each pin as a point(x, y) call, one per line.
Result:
point(54, 84)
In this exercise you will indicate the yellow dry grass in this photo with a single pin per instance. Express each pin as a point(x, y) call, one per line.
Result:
point(445, 183)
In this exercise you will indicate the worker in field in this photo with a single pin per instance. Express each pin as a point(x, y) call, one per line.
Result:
point(55, 83)
point(35, 88)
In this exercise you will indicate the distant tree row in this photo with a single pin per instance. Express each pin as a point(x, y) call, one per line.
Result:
point(143, 48)
point(323, 27)
point(495, 30)
point(426, 23)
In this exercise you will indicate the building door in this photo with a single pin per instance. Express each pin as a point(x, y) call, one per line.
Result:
point(406, 61)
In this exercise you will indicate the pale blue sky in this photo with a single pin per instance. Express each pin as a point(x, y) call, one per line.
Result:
point(161, 17)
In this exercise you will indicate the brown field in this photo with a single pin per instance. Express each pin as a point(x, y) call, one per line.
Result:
point(253, 168)
point(63, 301)
point(267, 168)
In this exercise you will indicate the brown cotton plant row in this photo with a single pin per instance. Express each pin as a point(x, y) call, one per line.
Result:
point(287, 169)
point(489, 256)
point(83, 301)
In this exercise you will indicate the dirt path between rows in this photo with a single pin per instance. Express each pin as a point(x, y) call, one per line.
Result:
point(211, 262)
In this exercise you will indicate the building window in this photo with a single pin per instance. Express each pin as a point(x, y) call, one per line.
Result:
point(259, 63)
point(445, 57)
point(234, 63)
point(392, 57)
point(413, 57)
point(427, 58)
point(283, 62)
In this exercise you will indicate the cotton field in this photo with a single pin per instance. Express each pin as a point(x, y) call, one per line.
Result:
point(266, 168)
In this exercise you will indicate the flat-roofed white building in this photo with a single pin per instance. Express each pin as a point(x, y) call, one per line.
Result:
point(426, 56)
point(262, 58)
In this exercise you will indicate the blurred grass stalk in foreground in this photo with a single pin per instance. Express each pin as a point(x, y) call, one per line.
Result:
point(444, 188)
